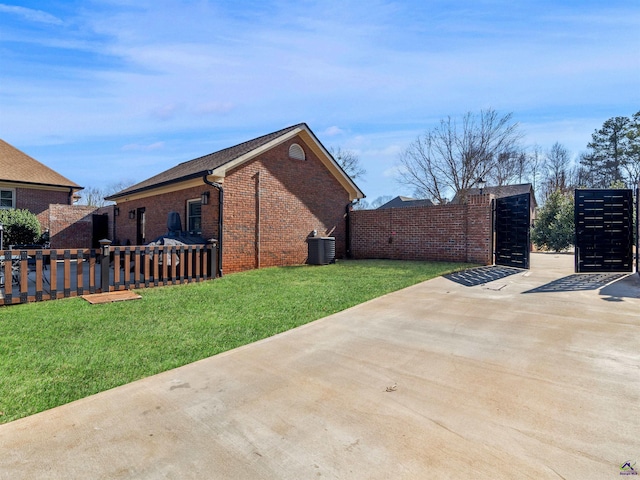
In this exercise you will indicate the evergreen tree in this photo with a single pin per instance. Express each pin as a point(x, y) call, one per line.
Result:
point(606, 156)
point(554, 227)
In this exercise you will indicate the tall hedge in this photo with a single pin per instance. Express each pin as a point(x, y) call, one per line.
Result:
point(20, 227)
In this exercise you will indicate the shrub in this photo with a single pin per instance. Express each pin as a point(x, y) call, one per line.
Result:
point(20, 226)
point(555, 226)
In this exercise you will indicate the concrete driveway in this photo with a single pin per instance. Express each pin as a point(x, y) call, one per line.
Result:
point(531, 375)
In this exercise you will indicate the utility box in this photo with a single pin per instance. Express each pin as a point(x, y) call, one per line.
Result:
point(322, 250)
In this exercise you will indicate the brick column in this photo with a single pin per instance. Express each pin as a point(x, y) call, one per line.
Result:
point(479, 242)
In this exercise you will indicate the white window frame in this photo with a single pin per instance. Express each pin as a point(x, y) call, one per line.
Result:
point(13, 198)
point(188, 225)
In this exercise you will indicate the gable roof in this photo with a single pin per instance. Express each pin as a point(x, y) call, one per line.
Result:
point(501, 192)
point(402, 202)
point(218, 163)
point(16, 166)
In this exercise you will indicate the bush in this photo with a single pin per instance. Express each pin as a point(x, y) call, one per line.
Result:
point(20, 227)
point(555, 226)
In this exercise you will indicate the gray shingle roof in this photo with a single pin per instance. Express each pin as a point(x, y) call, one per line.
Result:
point(17, 166)
point(402, 202)
point(199, 166)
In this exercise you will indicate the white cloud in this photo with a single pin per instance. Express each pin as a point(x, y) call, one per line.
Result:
point(371, 79)
point(166, 112)
point(333, 131)
point(31, 15)
point(393, 172)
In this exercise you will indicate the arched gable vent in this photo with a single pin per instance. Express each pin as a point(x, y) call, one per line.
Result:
point(296, 152)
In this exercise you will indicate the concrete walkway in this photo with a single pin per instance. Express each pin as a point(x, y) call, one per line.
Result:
point(531, 375)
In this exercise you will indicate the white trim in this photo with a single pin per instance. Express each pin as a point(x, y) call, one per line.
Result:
point(218, 174)
point(312, 142)
point(222, 170)
point(13, 198)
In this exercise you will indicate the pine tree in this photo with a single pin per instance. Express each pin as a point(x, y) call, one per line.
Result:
point(606, 156)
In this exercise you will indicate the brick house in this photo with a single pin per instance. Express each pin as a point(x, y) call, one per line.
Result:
point(27, 184)
point(265, 196)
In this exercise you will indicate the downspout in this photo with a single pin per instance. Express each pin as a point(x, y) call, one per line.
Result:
point(220, 222)
point(348, 229)
point(258, 220)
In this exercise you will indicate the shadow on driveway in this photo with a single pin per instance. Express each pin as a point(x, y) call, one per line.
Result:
point(579, 282)
point(481, 275)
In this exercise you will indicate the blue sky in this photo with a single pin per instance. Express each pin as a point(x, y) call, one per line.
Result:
point(118, 90)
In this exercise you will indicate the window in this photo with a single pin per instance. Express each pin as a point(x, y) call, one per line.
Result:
point(194, 216)
point(296, 152)
point(7, 198)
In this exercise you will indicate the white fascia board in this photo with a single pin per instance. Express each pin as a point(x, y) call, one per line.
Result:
point(310, 139)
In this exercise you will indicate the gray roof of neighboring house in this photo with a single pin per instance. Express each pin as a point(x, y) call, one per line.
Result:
point(199, 167)
point(17, 166)
point(502, 191)
point(402, 202)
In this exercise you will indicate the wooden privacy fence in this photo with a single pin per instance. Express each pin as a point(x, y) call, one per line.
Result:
point(33, 275)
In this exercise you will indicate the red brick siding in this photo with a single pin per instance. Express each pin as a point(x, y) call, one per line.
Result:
point(294, 198)
point(157, 210)
point(455, 233)
point(281, 201)
point(71, 226)
point(37, 202)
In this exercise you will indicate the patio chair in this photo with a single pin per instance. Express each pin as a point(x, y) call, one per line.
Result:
point(31, 261)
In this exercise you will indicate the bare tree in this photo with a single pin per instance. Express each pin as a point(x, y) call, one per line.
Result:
point(451, 157)
point(559, 173)
point(379, 201)
point(535, 166)
point(94, 196)
point(349, 161)
point(509, 168)
point(362, 205)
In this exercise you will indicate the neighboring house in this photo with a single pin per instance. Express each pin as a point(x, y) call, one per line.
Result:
point(403, 202)
point(266, 196)
point(25, 183)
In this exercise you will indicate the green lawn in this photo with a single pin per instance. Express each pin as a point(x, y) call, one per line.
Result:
point(55, 352)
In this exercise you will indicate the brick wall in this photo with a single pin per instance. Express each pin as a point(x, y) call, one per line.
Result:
point(271, 205)
point(37, 202)
point(71, 226)
point(458, 233)
point(157, 210)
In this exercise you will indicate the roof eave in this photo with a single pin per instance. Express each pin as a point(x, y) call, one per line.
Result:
point(221, 170)
point(127, 193)
point(23, 182)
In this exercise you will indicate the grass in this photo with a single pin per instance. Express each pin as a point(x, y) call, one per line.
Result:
point(52, 353)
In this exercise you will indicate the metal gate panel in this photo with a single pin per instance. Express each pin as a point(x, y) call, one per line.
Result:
point(604, 230)
point(512, 223)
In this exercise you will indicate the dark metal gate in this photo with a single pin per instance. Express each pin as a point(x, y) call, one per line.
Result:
point(604, 230)
point(512, 221)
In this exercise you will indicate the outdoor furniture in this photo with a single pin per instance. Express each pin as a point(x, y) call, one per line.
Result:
point(15, 269)
point(16, 261)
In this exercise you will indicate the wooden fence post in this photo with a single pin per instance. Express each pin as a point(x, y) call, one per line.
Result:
point(104, 264)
